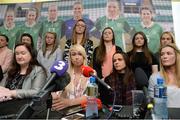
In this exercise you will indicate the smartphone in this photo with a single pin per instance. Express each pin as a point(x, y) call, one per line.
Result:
point(117, 108)
point(75, 116)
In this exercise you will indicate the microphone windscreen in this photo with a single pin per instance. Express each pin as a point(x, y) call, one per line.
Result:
point(59, 67)
point(86, 70)
point(141, 77)
point(62, 82)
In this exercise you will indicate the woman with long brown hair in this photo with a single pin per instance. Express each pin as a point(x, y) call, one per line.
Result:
point(25, 77)
point(79, 36)
point(140, 55)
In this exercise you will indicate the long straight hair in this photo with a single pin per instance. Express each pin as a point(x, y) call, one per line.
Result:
point(55, 46)
point(101, 50)
point(145, 49)
point(74, 34)
point(128, 76)
point(177, 64)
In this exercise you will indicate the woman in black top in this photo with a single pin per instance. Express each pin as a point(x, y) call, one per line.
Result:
point(140, 56)
point(121, 80)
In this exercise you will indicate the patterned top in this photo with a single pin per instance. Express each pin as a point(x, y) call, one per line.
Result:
point(123, 92)
point(88, 48)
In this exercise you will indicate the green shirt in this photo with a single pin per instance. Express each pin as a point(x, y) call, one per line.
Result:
point(33, 31)
point(52, 27)
point(153, 35)
point(119, 27)
point(12, 34)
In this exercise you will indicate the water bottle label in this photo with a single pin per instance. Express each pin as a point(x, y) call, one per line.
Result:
point(160, 92)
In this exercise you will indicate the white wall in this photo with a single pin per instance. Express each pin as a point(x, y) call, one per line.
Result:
point(176, 18)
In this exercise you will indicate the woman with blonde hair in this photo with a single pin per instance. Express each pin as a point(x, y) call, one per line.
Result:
point(74, 92)
point(170, 71)
point(166, 38)
point(50, 51)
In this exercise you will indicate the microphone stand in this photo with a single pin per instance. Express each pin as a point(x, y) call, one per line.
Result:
point(114, 100)
point(36, 102)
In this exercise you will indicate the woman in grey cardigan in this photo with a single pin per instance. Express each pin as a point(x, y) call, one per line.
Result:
point(25, 77)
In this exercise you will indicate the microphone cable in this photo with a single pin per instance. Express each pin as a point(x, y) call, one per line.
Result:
point(114, 100)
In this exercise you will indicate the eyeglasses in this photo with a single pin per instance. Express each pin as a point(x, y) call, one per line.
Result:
point(80, 25)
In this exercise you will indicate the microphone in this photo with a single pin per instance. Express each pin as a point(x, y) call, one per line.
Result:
point(142, 80)
point(88, 71)
point(58, 69)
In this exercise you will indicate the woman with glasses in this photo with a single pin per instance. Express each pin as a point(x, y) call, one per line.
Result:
point(79, 36)
point(25, 77)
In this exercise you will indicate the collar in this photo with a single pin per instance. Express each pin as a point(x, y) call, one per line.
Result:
point(10, 28)
point(28, 25)
point(149, 26)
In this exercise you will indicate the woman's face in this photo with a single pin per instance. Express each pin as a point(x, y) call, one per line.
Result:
point(168, 56)
point(139, 40)
point(26, 39)
point(119, 63)
point(10, 17)
point(31, 16)
point(77, 58)
point(50, 39)
point(113, 9)
point(52, 12)
point(108, 35)
point(80, 27)
point(146, 16)
point(166, 39)
point(22, 55)
point(77, 10)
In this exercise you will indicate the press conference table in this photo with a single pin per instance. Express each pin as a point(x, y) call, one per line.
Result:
point(11, 109)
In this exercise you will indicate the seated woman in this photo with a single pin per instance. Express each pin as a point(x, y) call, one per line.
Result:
point(121, 80)
point(25, 77)
point(170, 71)
point(74, 92)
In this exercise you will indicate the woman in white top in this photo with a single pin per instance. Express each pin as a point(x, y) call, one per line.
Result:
point(74, 92)
point(170, 71)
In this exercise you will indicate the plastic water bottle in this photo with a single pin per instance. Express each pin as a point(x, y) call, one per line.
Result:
point(160, 98)
point(92, 93)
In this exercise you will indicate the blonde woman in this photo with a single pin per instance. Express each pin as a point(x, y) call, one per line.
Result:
point(50, 52)
point(170, 71)
point(74, 92)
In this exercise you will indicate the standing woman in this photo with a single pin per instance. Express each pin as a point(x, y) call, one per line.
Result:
point(79, 36)
point(50, 52)
point(140, 56)
point(166, 38)
point(32, 27)
point(121, 80)
point(74, 92)
point(102, 56)
point(151, 29)
point(25, 77)
point(170, 71)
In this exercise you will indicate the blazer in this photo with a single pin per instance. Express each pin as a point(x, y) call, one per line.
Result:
point(32, 83)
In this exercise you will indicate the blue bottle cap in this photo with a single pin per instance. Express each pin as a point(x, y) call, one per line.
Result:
point(160, 81)
point(92, 79)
